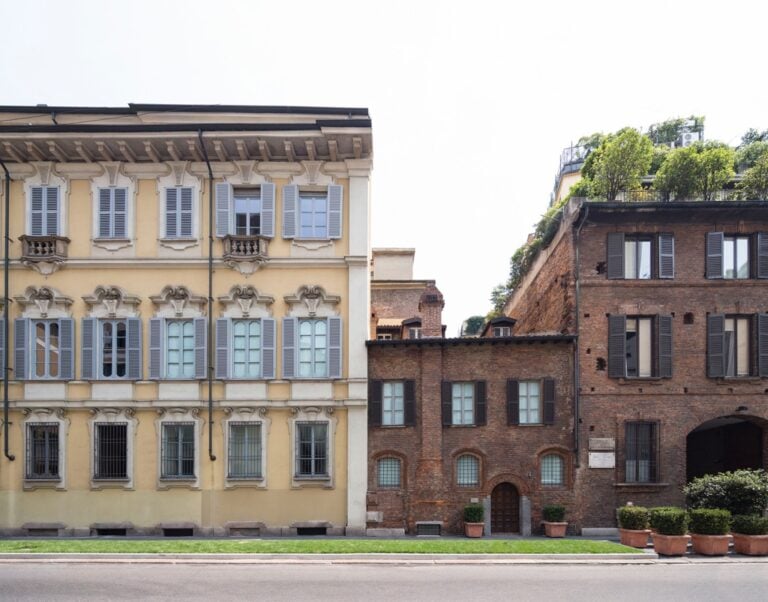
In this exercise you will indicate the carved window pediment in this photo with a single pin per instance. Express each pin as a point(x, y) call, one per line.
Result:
point(112, 302)
point(312, 300)
point(179, 302)
point(246, 302)
point(43, 302)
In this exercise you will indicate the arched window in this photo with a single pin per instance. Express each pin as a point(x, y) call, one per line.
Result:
point(552, 473)
point(389, 472)
point(467, 471)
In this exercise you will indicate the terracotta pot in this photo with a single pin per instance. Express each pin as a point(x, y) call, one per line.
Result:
point(670, 545)
point(473, 529)
point(751, 545)
point(634, 538)
point(555, 529)
point(710, 545)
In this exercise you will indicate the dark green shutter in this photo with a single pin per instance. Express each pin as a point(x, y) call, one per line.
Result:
point(665, 346)
point(480, 404)
point(666, 256)
point(374, 402)
point(761, 247)
point(549, 400)
point(409, 402)
point(716, 346)
point(617, 346)
point(715, 243)
point(762, 345)
point(615, 267)
point(513, 402)
point(447, 406)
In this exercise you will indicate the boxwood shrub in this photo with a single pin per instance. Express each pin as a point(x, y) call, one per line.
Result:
point(633, 517)
point(740, 492)
point(553, 513)
point(749, 524)
point(710, 521)
point(669, 520)
point(473, 513)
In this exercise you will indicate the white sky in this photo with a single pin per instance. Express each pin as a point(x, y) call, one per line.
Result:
point(471, 102)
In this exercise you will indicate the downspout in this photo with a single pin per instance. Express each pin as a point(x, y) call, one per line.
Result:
point(6, 301)
point(209, 347)
point(576, 363)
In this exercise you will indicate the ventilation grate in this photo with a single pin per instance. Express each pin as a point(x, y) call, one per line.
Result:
point(311, 530)
point(178, 532)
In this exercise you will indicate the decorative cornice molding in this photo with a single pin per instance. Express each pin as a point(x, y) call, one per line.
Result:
point(174, 299)
point(44, 302)
point(313, 297)
point(243, 298)
point(114, 300)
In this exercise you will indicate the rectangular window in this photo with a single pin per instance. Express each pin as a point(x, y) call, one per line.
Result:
point(637, 258)
point(389, 472)
point(414, 333)
point(736, 257)
point(384, 336)
point(113, 348)
point(44, 211)
point(43, 450)
point(244, 454)
point(311, 449)
point(736, 346)
point(530, 401)
point(638, 347)
point(313, 348)
point(502, 331)
point(180, 346)
point(463, 403)
point(112, 212)
point(641, 452)
point(178, 451)
point(110, 451)
point(46, 355)
point(313, 215)
point(246, 348)
point(178, 212)
point(247, 209)
point(392, 406)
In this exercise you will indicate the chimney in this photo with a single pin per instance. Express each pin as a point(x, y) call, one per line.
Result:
point(431, 308)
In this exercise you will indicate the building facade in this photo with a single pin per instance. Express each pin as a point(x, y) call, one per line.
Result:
point(189, 294)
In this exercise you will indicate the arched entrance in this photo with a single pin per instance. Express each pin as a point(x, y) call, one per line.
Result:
point(723, 444)
point(505, 509)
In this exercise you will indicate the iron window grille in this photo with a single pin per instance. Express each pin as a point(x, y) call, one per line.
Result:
point(311, 449)
point(43, 451)
point(389, 470)
point(178, 451)
point(110, 451)
point(552, 466)
point(244, 454)
point(641, 463)
point(467, 471)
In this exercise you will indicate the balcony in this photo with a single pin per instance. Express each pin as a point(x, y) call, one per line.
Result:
point(44, 253)
point(245, 253)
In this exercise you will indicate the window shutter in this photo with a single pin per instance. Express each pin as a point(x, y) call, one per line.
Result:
point(665, 346)
point(268, 209)
point(133, 328)
point(52, 210)
point(716, 345)
point(666, 256)
point(409, 403)
point(201, 349)
point(447, 406)
point(548, 386)
point(36, 223)
point(762, 345)
point(334, 348)
point(513, 402)
point(290, 200)
point(335, 202)
point(105, 213)
point(223, 208)
point(615, 268)
point(267, 348)
point(2, 347)
point(715, 241)
point(171, 212)
point(374, 402)
point(617, 343)
point(67, 348)
point(121, 212)
point(222, 348)
point(88, 351)
point(761, 244)
point(156, 331)
point(290, 326)
point(480, 404)
point(186, 213)
point(21, 362)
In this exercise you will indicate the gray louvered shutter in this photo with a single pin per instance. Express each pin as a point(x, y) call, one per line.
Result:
point(105, 213)
point(222, 348)
point(480, 404)
point(335, 203)
point(409, 402)
point(201, 349)
point(716, 346)
point(171, 212)
point(548, 398)
point(67, 348)
point(617, 346)
point(334, 348)
point(223, 209)
point(715, 241)
point(290, 202)
point(665, 346)
point(133, 328)
point(290, 327)
point(375, 388)
point(513, 402)
point(268, 348)
point(761, 244)
point(268, 209)
point(446, 403)
point(21, 342)
point(52, 210)
point(156, 336)
point(666, 256)
point(762, 345)
point(120, 229)
point(615, 268)
point(36, 211)
point(2, 347)
point(186, 213)
point(88, 350)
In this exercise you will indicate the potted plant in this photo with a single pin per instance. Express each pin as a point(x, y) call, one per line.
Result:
point(750, 534)
point(633, 526)
point(554, 526)
point(473, 520)
point(669, 526)
point(709, 531)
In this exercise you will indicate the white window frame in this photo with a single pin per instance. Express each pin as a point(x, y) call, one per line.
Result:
point(414, 332)
point(633, 257)
point(306, 195)
point(99, 351)
point(32, 334)
point(314, 349)
point(46, 177)
point(527, 414)
point(737, 352)
point(182, 350)
point(392, 403)
point(643, 327)
point(462, 403)
point(238, 192)
point(502, 331)
point(731, 250)
point(248, 350)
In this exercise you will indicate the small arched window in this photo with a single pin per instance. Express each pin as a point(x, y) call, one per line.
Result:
point(389, 470)
point(467, 471)
point(552, 472)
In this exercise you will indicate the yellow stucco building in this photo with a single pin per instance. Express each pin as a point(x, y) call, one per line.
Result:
point(188, 308)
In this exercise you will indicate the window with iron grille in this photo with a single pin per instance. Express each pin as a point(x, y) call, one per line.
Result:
point(392, 403)
point(311, 449)
point(467, 471)
point(389, 472)
point(244, 454)
point(43, 450)
point(641, 462)
point(110, 450)
point(178, 451)
point(552, 473)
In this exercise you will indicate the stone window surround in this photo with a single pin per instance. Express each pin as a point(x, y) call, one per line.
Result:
point(47, 415)
point(313, 414)
point(113, 177)
point(175, 415)
point(255, 415)
point(46, 175)
point(113, 416)
point(179, 176)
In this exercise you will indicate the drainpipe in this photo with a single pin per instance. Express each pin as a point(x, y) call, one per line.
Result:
point(209, 347)
point(6, 302)
point(576, 363)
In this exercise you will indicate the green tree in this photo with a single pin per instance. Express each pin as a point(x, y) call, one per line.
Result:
point(667, 132)
point(754, 135)
point(660, 154)
point(716, 160)
point(620, 162)
point(499, 296)
point(472, 325)
point(679, 176)
point(747, 155)
point(755, 181)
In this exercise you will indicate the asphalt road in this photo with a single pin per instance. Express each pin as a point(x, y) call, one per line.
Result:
point(604, 583)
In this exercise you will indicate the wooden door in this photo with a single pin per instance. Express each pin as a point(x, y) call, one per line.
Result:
point(505, 509)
